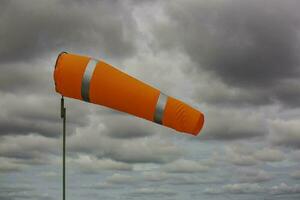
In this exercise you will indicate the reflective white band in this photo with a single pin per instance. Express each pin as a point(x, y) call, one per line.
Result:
point(160, 107)
point(87, 76)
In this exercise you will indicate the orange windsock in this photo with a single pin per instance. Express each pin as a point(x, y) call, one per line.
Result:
point(97, 82)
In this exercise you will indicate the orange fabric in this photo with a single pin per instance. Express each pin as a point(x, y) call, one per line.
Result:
point(182, 117)
point(68, 74)
point(112, 88)
point(115, 89)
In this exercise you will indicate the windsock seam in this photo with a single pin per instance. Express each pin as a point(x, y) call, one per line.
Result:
point(160, 108)
point(87, 76)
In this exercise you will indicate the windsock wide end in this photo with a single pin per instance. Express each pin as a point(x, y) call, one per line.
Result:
point(56, 70)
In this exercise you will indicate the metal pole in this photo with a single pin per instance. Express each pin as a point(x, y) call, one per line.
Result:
point(63, 116)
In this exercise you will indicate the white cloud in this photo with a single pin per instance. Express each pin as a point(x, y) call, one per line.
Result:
point(7, 165)
point(295, 174)
point(230, 124)
point(283, 188)
point(90, 164)
point(185, 166)
point(269, 155)
point(294, 155)
point(29, 149)
point(243, 188)
point(243, 154)
point(152, 192)
point(240, 155)
point(155, 176)
point(285, 132)
point(92, 140)
point(254, 188)
point(254, 176)
point(120, 179)
point(212, 191)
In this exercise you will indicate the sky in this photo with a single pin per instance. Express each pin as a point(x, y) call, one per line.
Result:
point(236, 61)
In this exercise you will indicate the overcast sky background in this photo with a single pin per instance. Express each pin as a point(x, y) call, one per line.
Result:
point(237, 61)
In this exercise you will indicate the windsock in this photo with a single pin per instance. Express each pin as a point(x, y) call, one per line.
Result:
point(97, 82)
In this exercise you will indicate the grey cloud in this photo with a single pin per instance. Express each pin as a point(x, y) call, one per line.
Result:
point(25, 127)
point(211, 90)
point(127, 127)
point(21, 192)
point(26, 78)
point(105, 186)
point(244, 154)
point(284, 188)
point(269, 155)
point(91, 165)
point(239, 157)
point(29, 104)
point(31, 35)
point(33, 28)
point(117, 180)
point(231, 124)
point(254, 188)
point(152, 192)
point(182, 176)
point(287, 91)
point(24, 115)
point(93, 140)
point(185, 166)
point(8, 165)
point(155, 176)
point(29, 149)
point(188, 179)
point(237, 188)
point(98, 140)
point(295, 174)
point(144, 152)
point(243, 188)
point(212, 191)
point(285, 133)
point(251, 45)
point(120, 179)
point(294, 155)
point(254, 176)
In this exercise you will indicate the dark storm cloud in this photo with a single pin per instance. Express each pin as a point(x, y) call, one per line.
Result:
point(93, 140)
point(24, 115)
point(233, 124)
point(31, 35)
point(285, 133)
point(253, 45)
point(288, 91)
point(127, 127)
point(30, 29)
point(24, 80)
point(28, 150)
point(249, 43)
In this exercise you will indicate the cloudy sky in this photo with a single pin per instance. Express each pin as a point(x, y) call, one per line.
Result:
point(237, 61)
